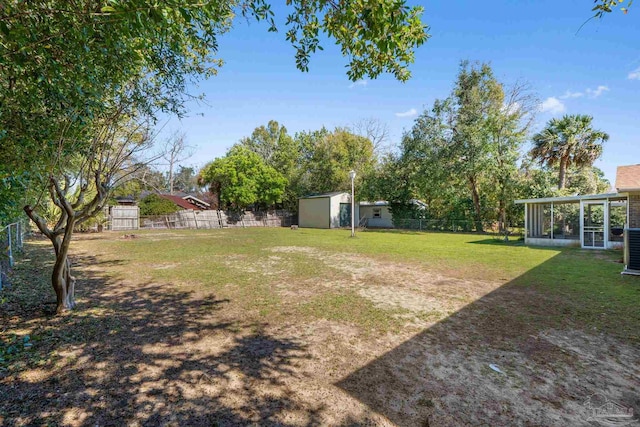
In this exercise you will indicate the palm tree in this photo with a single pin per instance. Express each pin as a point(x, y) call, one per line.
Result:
point(568, 141)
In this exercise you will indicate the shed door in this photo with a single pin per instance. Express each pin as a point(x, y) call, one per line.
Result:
point(345, 215)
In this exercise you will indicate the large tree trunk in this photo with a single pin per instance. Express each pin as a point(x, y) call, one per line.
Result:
point(476, 204)
point(562, 175)
point(216, 191)
point(61, 279)
point(63, 282)
point(60, 235)
point(502, 215)
point(502, 206)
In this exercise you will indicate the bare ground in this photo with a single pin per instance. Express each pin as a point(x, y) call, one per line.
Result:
point(141, 352)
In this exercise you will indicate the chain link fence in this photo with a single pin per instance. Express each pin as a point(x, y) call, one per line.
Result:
point(11, 243)
point(459, 226)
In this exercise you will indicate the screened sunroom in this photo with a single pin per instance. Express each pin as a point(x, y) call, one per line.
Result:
point(594, 221)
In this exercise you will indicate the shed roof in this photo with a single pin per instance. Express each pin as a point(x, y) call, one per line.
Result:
point(628, 178)
point(324, 195)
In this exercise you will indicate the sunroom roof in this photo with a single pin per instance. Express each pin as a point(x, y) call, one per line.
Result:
point(574, 199)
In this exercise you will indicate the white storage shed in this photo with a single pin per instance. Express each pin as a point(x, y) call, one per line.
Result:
point(329, 210)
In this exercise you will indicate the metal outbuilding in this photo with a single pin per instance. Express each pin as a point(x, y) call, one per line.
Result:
point(328, 210)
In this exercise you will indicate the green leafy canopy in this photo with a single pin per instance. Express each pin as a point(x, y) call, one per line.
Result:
point(242, 178)
point(153, 204)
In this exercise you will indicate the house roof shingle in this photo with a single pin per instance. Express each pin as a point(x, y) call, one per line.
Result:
point(184, 204)
point(628, 178)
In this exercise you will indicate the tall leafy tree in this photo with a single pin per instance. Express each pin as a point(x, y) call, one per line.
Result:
point(330, 157)
point(570, 140)
point(186, 180)
point(535, 181)
point(476, 95)
point(461, 155)
point(282, 152)
point(81, 187)
point(508, 128)
point(423, 161)
point(242, 178)
point(269, 142)
point(587, 180)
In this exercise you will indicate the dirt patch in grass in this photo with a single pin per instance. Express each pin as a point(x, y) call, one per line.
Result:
point(302, 336)
point(406, 290)
point(443, 376)
point(270, 266)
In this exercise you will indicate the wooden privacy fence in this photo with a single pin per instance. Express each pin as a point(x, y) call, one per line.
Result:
point(123, 218)
point(214, 219)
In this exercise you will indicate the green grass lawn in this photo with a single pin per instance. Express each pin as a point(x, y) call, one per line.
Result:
point(280, 312)
point(589, 282)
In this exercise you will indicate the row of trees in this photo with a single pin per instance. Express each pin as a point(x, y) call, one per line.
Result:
point(271, 166)
point(464, 157)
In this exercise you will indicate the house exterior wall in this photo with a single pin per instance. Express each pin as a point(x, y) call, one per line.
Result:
point(634, 210)
point(384, 221)
point(334, 212)
point(314, 213)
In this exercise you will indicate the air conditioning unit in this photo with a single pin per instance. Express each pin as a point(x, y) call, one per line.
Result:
point(632, 251)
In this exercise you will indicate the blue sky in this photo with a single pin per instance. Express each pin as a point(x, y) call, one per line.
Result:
point(593, 71)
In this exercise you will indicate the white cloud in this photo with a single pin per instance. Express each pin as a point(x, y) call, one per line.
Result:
point(552, 105)
point(568, 94)
point(591, 93)
point(360, 82)
point(634, 75)
point(409, 113)
point(594, 93)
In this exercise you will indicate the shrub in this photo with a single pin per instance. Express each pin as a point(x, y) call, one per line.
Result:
point(156, 205)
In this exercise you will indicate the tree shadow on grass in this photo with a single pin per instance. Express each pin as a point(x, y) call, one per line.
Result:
point(148, 354)
point(499, 241)
point(554, 344)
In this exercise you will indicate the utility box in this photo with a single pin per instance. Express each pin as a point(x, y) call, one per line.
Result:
point(632, 251)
